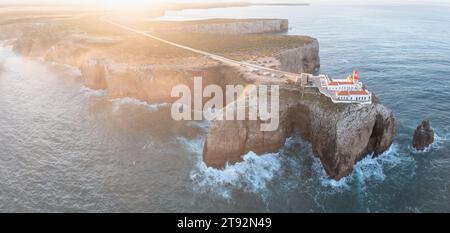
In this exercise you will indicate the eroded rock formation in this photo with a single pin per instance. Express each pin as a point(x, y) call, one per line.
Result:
point(304, 59)
point(423, 136)
point(340, 135)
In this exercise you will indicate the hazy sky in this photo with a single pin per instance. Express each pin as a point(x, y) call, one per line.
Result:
point(147, 2)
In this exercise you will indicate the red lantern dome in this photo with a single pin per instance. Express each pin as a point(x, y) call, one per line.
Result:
point(355, 75)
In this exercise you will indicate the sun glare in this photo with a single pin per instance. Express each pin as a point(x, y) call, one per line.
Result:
point(127, 4)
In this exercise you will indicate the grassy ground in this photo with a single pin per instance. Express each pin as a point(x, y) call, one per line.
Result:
point(239, 47)
point(135, 48)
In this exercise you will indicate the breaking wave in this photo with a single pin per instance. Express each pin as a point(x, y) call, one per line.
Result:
point(88, 92)
point(437, 144)
point(72, 70)
point(203, 125)
point(194, 146)
point(117, 103)
point(251, 175)
point(254, 174)
point(285, 170)
point(367, 171)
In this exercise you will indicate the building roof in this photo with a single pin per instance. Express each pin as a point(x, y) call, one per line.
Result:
point(339, 83)
point(346, 93)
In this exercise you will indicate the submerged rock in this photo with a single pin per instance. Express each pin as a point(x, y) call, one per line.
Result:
point(423, 136)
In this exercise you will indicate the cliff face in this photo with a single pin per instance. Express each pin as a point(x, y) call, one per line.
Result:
point(239, 27)
point(155, 84)
point(94, 72)
point(146, 82)
point(340, 135)
point(14, 30)
point(304, 59)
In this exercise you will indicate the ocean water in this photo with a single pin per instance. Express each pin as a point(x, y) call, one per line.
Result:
point(66, 148)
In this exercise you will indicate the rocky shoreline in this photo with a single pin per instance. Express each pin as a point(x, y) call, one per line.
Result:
point(340, 134)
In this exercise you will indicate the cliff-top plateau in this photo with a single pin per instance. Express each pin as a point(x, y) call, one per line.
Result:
point(127, 64)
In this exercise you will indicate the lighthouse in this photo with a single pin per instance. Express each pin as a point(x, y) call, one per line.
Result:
point(355, 76)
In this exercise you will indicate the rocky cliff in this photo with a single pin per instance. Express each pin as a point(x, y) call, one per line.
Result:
point(423, 135)
point(340, 134)
point(238, 27)
point(304, 59)
point(147, 82)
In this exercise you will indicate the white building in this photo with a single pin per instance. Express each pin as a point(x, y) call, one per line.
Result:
point(348, 90)
point(359, 96)
point(351, 83)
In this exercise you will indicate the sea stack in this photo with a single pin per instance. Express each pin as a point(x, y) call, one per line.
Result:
point(423, 136)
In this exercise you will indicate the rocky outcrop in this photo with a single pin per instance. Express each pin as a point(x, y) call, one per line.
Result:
point(340, 135)
point(154, 84)
point(37, 42)
point(93, 72)
point(146, 82)
point(342, 138)
point(423, 136)
point(10, 31)
point(238, 27)
point(304, 59)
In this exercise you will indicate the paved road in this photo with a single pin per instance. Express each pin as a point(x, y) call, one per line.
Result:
point(216, 57)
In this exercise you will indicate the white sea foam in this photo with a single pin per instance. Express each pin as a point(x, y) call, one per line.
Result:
point(255, 172)
point(250, 175)
point(117, 103)
point(194, 146)
point(368, 170)
point(76, 72)
point(6, 52)
point(260, 173)
point(72, 70)
point(88, 92)
point(203, 125)
point(437, 144)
